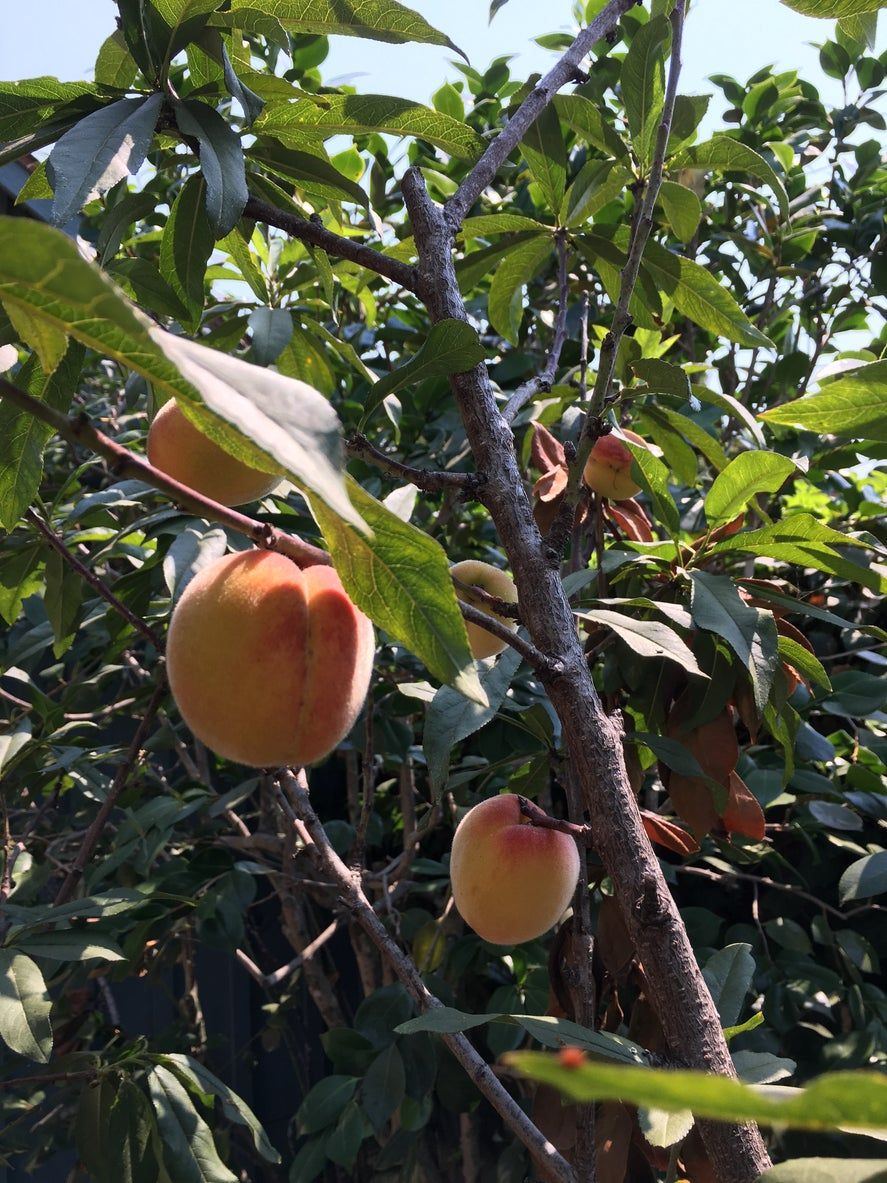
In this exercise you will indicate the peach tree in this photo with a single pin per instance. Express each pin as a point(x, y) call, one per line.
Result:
point(557, 327)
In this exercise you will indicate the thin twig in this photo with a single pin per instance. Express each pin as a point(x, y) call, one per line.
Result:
point(775, 885)
point(93, 834)
point(543, 381)
point(315, 233)
point(79, 430)
point(496, 604)
point(94, 581)
point(544, 821)
point(348, 881)
point(643, 225)
point(538, 660)
point(360, 448)
point(565, 71)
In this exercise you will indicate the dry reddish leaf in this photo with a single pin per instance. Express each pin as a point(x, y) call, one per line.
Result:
point(546, 452)
point(544, 514)
point(612, 1135)
point(645, 1027)
point(667, 834)
point(794, 634)
point(716, 750)
point(793, 678)
point(743, 814)
point(747, 708)
point(551, 484)
point(696, 1163)
point(725, 531)
point(631, 519)
point(557, 1121)
point(613, 943)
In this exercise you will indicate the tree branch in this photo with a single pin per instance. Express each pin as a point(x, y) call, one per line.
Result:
point(544, 379)
point(297, 803)
point(593, 740)
point(94, 581)
point(358, 446)
point(565, 71)
point(94, 833)
point(540, 662)
point(79, 430)
point(313, 232)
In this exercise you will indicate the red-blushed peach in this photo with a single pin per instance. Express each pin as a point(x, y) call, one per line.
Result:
point(511, 880)
point(496, 583)
point(179, 449)
point(268, 664)
point(608, 468)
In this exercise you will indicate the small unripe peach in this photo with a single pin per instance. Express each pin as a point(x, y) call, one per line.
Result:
point(179, 449)
point(269, 665)
point(490, 579)
point(511, 880)
point(608, 468)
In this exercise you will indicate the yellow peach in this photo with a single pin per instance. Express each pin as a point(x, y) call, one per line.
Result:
point(496, 583)
point(608, 468)
point(179, 449)
point(269, 665)
point(511, 880)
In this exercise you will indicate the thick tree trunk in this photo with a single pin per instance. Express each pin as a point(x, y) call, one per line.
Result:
point(593, 740)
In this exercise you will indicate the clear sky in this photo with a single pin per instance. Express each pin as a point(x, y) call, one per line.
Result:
point(60, 38)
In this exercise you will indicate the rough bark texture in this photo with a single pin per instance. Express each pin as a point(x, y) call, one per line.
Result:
point(593, 741)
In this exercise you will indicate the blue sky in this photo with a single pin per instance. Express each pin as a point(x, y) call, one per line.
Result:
point(723, 36)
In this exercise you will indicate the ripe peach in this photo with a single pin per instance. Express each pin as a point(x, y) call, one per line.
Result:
point(179, 449)
point(496, 583)
point(608, 468)
point(511, 880)
point(268, 665)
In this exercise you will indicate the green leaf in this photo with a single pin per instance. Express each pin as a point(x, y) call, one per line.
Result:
point(99, 151)
point(728, 155)
point(745, 476)
point(550, 1031)
point(313, 174)
point(23, 438)
point(129, 1137)
point(359, 115)
point(27, 104)
point(646, 638)
point(854, 406)
point(272, 330)
point(62, 598)
point(807, 542)
point(383, 1087)
point(864, 878)
point(664, 1129)
point(546, 156)
point(379, 20)
point(67, 945)
point(698, 295)
point(652, 475)
point(24, 1007)
point(701, 440)
point(323, 1104)
point(186, 246)
point(144, 285)
point(682, 208)
point(586, 118)
point(47, 341)
point(805, 663)
point(662, 377)
point(451, 347)
point(12, 742)
point(827, 1170)
point(671, 752)
point(506, 299)
point(400, 578)
point(238, 248)
point(233, 1106)
point(833, 9)
point(91, 1126)
point(597, 183)
point(643, 84)
point(263, 418)
point(109, 903)
point(862, 28)
point(451, 717)
point(728, 975)
point(189, 1152)
point(115, 66)
point(221, 164)
point(840, 1100)
point(751, 633)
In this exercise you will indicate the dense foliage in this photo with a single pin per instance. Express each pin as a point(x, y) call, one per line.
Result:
point(733, 612)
